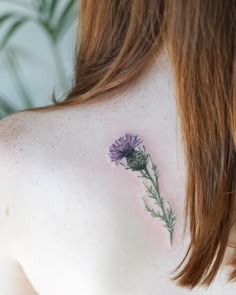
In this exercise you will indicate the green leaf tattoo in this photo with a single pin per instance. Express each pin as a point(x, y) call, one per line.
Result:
point(137, 159)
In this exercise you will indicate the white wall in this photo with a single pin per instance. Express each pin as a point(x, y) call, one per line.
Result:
point(36, 62)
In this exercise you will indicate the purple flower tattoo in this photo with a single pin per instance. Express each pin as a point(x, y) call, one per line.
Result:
point(127, 147)
point(123, 147)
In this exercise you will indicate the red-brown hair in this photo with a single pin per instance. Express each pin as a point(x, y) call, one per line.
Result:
point(117, 41)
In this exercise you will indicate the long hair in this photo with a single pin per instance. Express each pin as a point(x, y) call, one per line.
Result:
point(117, 41)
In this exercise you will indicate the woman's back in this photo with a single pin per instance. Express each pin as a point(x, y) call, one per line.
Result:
point(79, 223)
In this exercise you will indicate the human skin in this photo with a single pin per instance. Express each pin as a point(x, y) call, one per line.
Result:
point(75, 223)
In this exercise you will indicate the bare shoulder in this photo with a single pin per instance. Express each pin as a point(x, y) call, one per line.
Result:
point(11, 128)
point(20, 133)
point(13, 131)
point(33, 137)
point(31, 143)
point(21, 136)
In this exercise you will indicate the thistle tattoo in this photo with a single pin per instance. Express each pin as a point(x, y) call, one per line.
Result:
point(127, 147)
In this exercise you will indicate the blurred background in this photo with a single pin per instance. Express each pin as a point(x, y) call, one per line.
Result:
point(36, 52)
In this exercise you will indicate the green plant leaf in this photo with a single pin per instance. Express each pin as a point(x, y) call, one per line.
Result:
point(47, 28)
point(40, 5)
point(5, 107)
point(12, 30)
point(5, 17)
point(66, 18)
point(18, 3)
point(52, 8)
point(11, 58)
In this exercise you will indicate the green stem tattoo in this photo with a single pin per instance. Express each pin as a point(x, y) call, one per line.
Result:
point(137, 160)
point(167, 215)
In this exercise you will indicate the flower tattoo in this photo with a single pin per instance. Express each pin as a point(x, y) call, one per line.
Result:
point(127, 147)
